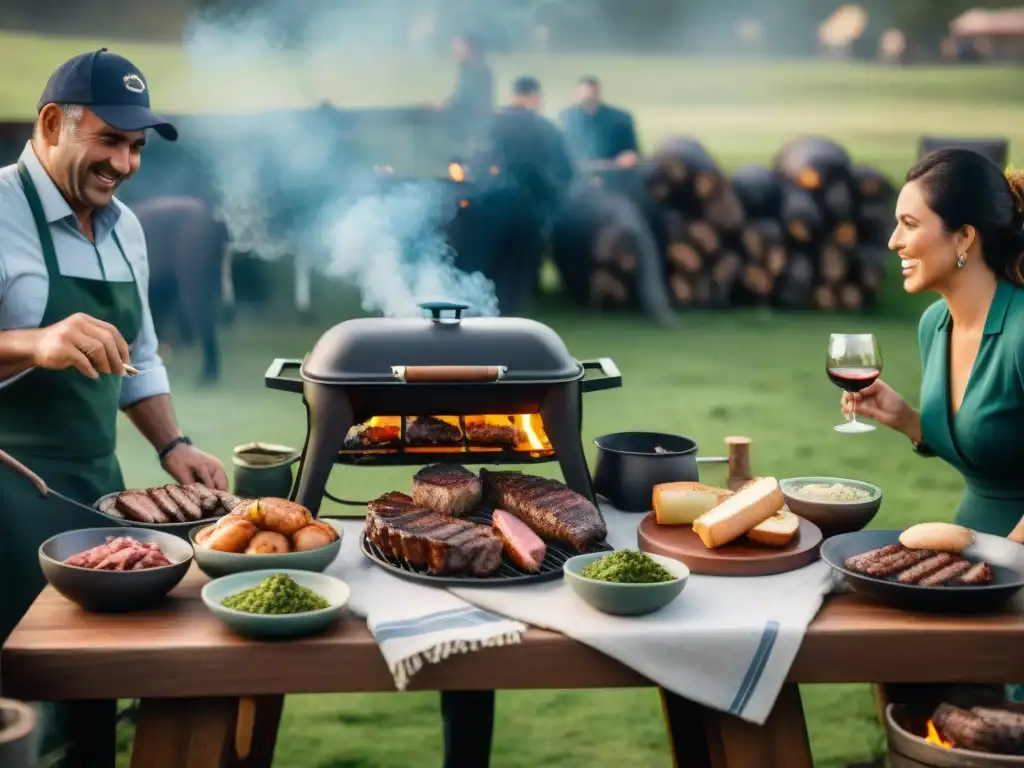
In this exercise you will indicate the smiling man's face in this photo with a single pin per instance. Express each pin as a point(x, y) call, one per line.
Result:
point(90, 159)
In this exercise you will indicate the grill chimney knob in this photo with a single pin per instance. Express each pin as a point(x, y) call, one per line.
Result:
point(435, 308)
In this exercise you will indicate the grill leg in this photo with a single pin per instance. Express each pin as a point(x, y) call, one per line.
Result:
point(561, 413)
point(326, 433)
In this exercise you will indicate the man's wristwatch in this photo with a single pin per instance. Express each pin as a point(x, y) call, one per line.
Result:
point(182, 440)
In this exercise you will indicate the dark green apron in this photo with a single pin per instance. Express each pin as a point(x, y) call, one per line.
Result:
point(60, 424)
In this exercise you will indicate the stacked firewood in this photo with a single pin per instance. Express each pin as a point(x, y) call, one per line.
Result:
point(809, 231)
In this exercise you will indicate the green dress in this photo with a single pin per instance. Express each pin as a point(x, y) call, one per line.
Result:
point(63, 426)
point(983, 440)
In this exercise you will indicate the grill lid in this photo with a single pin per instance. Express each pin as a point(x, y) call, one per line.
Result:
point(440, 348)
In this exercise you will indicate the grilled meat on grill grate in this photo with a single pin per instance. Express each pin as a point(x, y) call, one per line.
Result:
point(428, 430)
point(448, 489)
point(363, 436)
point(438, 543)
point(549, 507)
point(483, 433)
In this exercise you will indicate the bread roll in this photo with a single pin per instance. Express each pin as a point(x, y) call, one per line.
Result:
point(777, 531)
point(683, 502)
point(942, 537)
point(748, 507)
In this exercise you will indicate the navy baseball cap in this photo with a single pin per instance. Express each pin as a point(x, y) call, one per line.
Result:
point(111, 87)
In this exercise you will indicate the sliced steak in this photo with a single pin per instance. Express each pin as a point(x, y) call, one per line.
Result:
point(448, 489)
point(439, 544)
point(137, 506)
point(429, 430)
point(549, 507)
point(523, 547)
point(190, 510)
point(205, 497)
point(228, 501)
point(109, 506)
point(167, 505)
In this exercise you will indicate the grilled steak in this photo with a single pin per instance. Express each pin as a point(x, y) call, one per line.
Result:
point(166, 504)
point(449, 489)
point(137, 506)
point(109, 506)
point(228, 501)
point(483, 433)
point(428, 430)
point(363, 436)
point(438, 543)
point(522, 545)
point(190, 510)
point(203, 496)
point(549, 507)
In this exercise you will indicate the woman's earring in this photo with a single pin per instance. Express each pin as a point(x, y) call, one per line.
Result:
point(960, 261)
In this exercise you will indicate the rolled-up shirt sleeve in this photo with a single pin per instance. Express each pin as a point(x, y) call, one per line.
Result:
point(151, 379)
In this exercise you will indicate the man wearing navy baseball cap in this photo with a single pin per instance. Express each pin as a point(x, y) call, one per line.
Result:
point(77, 342)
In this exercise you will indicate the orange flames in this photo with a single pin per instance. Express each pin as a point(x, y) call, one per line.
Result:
point(456, 172)
point(933, 737)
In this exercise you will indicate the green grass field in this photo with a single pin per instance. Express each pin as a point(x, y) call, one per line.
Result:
point(752, 373)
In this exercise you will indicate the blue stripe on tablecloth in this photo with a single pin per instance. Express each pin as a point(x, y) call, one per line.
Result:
point(756, 668)
point(434, 622)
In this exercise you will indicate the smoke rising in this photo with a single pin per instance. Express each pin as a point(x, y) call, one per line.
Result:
point(292, 183)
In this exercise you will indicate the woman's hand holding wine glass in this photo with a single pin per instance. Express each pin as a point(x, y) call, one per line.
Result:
point(879, 402)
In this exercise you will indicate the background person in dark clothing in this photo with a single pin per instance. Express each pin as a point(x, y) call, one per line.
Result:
point(469, 109)
point(596, 131)
point(534, 175)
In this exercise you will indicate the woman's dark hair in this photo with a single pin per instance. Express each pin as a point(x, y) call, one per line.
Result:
point(965, 188)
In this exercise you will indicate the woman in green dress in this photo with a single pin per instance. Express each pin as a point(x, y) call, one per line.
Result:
point(960, 232)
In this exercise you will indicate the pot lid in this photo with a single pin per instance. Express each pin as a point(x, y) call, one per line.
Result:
point(379, 349)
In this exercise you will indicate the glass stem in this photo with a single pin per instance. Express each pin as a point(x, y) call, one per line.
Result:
point(853, 413)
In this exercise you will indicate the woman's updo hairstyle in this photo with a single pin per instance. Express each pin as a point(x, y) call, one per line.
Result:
point(965, 188)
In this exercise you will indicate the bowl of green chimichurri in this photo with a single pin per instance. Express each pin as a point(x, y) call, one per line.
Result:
point(276, 603)
point(626, 582)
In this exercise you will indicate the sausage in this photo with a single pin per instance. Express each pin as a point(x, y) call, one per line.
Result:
point(979, 573)
point(925, 568)
point(898, 562)
point(190, 510)
point(166, 504)
point(946, 574)
point(862, 561)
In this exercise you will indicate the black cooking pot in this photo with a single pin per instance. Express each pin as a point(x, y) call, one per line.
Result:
point(630, 464)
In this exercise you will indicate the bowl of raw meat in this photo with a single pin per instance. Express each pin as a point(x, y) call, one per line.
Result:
point(111, 570)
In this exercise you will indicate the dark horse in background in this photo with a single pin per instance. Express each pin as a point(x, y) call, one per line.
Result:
point(187, 247)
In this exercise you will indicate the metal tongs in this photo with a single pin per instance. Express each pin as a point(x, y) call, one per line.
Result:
point(44, 489)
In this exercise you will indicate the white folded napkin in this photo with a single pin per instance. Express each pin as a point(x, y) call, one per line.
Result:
point(725, 642)
point(414, 624)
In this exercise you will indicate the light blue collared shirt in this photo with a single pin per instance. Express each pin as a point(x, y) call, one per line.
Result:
point(24, 285)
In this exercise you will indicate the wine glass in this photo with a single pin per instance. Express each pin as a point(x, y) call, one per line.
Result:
point(854, 361)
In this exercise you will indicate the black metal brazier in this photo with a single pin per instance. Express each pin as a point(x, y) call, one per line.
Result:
point(441, 365)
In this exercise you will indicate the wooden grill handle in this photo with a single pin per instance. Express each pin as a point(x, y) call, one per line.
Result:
point(21, 469)
point(413, 374)
point(739, 462)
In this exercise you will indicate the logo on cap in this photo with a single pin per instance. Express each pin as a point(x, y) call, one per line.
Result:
point(134, 83)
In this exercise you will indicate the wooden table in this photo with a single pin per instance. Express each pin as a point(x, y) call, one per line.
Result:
point(211, 699)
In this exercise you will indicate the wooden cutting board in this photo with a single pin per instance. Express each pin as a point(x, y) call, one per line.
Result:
point(737, 558)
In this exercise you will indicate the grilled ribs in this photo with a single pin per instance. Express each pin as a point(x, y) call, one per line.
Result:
point(438, 543)
point(549, 507)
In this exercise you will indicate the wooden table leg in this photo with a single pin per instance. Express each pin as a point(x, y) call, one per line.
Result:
point(781, 742)
point(207, 733)
point(687, 740)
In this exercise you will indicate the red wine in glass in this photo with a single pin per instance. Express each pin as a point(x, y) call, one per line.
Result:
point(854, 361)
point(853, 379)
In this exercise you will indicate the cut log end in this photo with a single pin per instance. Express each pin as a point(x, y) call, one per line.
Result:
point(684, 257)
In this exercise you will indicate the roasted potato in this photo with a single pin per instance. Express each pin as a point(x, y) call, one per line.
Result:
point(268, 543)
point(278, 515)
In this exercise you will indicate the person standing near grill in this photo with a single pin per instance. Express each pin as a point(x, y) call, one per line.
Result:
point(468, 110)
point(598, 132)
point(73, 314)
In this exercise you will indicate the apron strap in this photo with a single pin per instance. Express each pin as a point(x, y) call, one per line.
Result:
point(42, 225)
